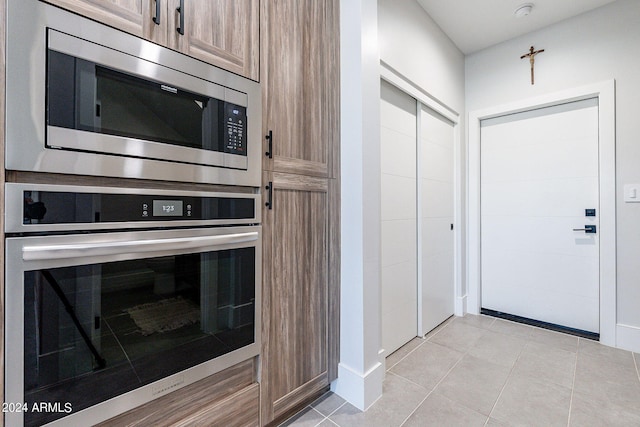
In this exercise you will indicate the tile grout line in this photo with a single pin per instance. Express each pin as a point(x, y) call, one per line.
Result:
point(528, 339)
point(437, 384)
point(573, 383)
point(441, 379)
point(406, 355)
point(635, 362)
point(334, 411)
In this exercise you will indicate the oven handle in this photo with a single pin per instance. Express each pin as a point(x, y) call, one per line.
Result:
point(48, 252)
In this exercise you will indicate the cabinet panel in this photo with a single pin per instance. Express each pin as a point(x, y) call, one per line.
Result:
point(295, 292)
point(222, 32)
point(127, 15)
point(229, 395)
point(300, 80)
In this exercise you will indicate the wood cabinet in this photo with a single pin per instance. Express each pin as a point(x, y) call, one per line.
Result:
point(127, 15)
point(228, 398)
point(300, 83)
point(224, 33)
point(295, 329)
point(300, 102)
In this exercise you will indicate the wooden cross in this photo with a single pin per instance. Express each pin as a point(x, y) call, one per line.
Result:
point(531, 55)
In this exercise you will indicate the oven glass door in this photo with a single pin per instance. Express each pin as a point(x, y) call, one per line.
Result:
point(99, 328)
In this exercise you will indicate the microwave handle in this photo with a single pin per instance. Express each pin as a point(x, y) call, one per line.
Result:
point(49, 252)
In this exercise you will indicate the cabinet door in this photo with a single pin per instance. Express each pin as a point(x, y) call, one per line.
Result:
point(224, 33)
point(132, 16)
point(295, 292)
point(301, 83)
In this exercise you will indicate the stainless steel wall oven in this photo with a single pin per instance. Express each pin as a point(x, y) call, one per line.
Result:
point(87, 99)
point(115, 296)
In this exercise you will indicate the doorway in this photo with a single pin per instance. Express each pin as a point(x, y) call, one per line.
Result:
point(539, 215)
point(605, 94)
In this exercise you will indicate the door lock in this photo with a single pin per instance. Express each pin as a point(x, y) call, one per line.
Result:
point(588, 229)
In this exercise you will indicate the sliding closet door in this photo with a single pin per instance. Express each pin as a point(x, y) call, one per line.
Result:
point(399, 217)
point(436, 220)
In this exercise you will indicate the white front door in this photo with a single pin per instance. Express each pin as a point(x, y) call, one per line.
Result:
point(539, 189)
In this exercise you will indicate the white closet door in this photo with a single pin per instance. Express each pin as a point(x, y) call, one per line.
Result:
point(539, 174)
point(399, 231)
point(436, 219)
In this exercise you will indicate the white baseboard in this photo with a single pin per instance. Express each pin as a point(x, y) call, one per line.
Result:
point(460, 306)
point(628, 337)
point(360, 390)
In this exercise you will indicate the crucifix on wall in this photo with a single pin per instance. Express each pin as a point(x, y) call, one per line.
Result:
point(531, 55)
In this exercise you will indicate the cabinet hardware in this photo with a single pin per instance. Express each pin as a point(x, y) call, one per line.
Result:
point(156, 18)
point(180, 10)
point(269, 203)
point(269, 152)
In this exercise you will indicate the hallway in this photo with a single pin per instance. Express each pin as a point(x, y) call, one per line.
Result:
point(482, 371)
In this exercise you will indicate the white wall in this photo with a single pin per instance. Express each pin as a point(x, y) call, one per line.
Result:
point(361, 370)
point(593, 47)
point(410, 42)
point(412, 45)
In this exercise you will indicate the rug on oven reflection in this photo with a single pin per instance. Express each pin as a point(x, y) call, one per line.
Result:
point(164, 315)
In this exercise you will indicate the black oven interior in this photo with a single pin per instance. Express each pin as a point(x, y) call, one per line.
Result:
point(131, 323)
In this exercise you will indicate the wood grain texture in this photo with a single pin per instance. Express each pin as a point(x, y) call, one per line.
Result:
point(3, 26)
point(228, 398)
point(126, 15)
point(221, 32)
point(295, 293)
point(300, 80)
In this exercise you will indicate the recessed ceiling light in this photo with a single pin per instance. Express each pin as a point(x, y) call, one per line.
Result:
point(523, 10)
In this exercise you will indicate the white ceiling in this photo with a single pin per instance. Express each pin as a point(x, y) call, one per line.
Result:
point(476, 24)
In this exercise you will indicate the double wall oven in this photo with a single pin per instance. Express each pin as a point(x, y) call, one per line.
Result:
point(114, 297)
point(118, 294)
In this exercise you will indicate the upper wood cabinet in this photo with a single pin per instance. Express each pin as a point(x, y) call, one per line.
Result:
point(127, 15)
point(224, 33)
point(221, 32)
point(300, 83)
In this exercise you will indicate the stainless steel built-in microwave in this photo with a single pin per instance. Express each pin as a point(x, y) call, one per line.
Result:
point(83, 98)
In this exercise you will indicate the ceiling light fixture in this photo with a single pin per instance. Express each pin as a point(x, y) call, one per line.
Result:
point(523, 10)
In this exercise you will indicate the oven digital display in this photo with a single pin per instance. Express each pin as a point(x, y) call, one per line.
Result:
point(167, 208)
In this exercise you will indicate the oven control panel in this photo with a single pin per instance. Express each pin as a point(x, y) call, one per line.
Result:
point(77, 208)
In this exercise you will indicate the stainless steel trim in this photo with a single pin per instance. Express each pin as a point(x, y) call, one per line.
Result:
point(101, 143)
point(51, 252)
point(14, 312)
point(111, 58)
point(26, 130)
point(14, 200)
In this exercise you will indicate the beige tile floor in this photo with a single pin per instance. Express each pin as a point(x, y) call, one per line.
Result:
point(482, 371)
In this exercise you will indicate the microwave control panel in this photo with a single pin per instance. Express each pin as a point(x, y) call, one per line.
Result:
point(235, 129)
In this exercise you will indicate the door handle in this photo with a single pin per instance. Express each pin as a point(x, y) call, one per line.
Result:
point(269, 152)
point(180, 10)
point(156, 18)
point(588, 229)
point(62, 251)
